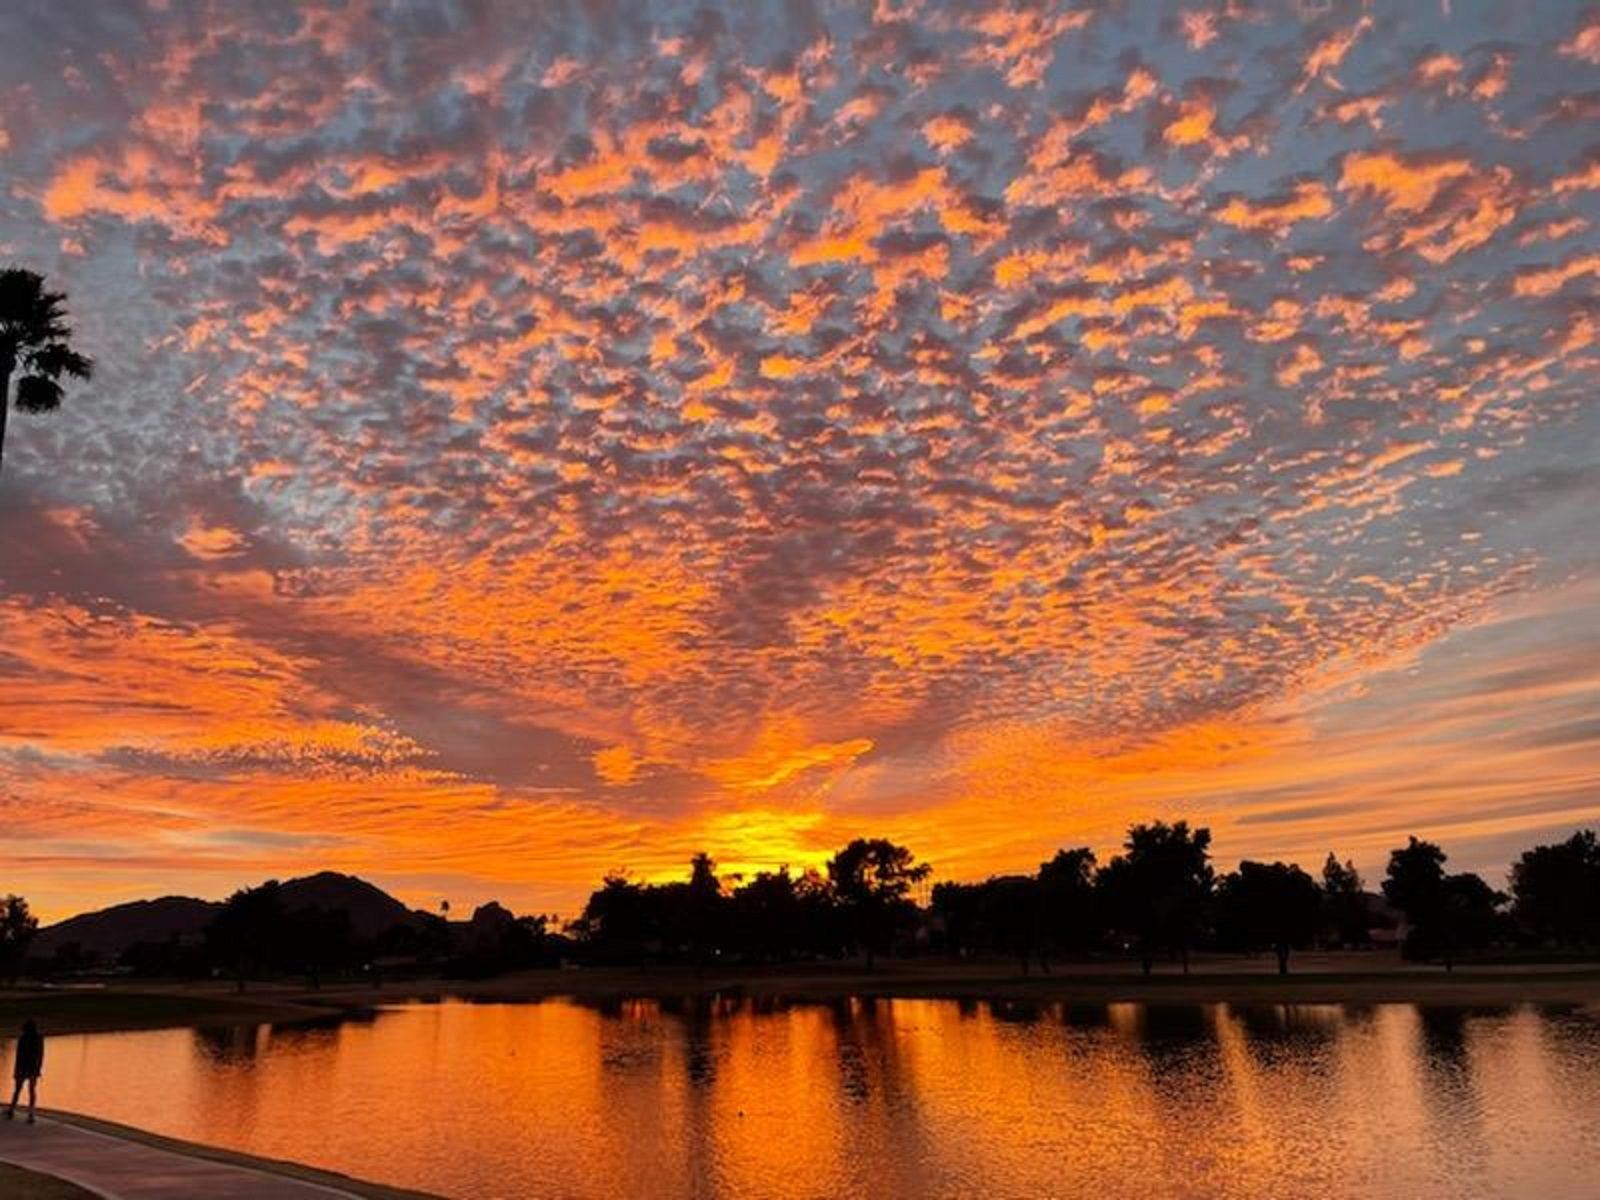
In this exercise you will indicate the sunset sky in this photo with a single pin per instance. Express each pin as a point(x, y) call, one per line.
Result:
point(537, 439)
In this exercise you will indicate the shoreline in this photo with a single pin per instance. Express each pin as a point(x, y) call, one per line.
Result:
point(1577, 987)
point(65, 1160)
point(1323, 979)
point(235, 1158)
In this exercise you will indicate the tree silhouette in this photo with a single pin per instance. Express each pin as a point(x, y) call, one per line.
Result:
point(1344, 902)
point(621, 918)
point(248, 932)
point(1415, 885)
point(766, 918)
point(703, 904)
point(496, 940)
point(871, 879)
point(1470, 915)
point(1557, 890)
point(1013, 908)
point(17, 927)
point(821, 929)
point(1269, 905)
point(958, 908)
point(35, 337)
point(321, 938)
point(1067, 898)
point(1004, 913)
point(1446, 913)
point(1159, 888)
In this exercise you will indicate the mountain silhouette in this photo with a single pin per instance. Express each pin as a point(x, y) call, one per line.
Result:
point(109, 932)
point(372, 910)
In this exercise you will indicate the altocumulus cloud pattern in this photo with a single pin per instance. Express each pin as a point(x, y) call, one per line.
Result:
point(537, 438)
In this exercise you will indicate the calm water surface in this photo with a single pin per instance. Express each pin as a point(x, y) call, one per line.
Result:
point(897, 1098)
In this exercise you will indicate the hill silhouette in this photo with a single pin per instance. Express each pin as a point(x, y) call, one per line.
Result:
point(372, 910)
point(109, 932)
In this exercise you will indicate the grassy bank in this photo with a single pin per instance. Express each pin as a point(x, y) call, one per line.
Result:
point(155, 1006)
point(1318, 979)
point(1331, 979)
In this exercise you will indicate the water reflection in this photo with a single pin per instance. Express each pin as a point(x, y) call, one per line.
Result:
point(888, 1098)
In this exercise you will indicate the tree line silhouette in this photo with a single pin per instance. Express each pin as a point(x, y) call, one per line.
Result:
point(1159, 898)
point(256, 933)
point(861, 904)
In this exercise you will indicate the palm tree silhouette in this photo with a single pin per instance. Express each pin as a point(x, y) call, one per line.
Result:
point(34, 335)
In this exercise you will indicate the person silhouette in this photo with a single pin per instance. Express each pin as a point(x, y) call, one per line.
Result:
point(28, 1067)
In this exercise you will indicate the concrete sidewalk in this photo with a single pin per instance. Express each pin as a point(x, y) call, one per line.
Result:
point(119, 1169)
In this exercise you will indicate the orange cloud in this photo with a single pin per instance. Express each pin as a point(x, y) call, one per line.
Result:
point(1405, 185)
point(1308, 201)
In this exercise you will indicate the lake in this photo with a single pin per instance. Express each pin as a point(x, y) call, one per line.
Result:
point(882, 1098)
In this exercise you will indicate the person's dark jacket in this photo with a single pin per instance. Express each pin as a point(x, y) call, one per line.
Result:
point(30, 1056)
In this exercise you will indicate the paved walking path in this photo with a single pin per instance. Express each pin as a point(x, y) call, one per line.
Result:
point(119, 1169)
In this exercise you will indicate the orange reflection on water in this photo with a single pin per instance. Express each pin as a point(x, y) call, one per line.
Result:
point(888, 1098)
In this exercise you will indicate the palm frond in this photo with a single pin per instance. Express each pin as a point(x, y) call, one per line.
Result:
point(19, 290)
point(57, 358)
point(38, 394)
point(29, 314)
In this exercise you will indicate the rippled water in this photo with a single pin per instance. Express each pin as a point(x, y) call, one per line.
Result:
point(892, 1098)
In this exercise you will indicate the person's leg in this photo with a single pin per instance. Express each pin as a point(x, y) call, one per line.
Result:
point(33, 1096)
point(16, 1091)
